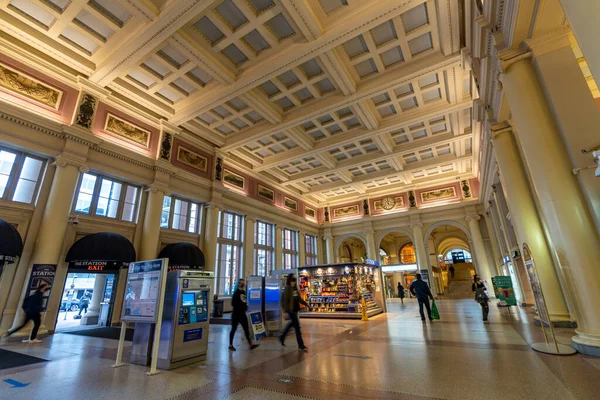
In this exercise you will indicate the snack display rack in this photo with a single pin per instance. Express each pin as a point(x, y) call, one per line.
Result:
point(335, 290)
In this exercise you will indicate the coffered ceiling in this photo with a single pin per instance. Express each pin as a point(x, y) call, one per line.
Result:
point(331, 99)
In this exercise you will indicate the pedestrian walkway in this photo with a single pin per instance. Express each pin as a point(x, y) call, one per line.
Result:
point(393, 356)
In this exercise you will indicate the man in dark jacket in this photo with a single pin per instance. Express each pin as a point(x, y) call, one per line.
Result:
point(291, 305)
point(420, 289)
point(238, 316)
point(32, 305)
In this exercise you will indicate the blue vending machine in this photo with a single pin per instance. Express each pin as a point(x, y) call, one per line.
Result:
point(273, 315)
point(255, 292)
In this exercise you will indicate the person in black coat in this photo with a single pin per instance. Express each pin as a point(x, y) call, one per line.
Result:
point(238, 316)
point(401, 292)
point(32, 305)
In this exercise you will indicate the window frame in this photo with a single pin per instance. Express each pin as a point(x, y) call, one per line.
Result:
point(96, 196)
point(198, 230)
point(237, 246)
point(15, 174)
point(264, 247)
point(312, 256)
point(293, 252)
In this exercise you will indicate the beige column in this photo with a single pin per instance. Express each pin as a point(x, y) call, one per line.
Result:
point(248, 264)
point(54, 226)
point(562, 204)
point(371, 250)
point(278, 247)
point(493, 243)
point(422, 258)
point(583, 16)
point(482, 265)
point(526, 221)
point(151, 224)
point(210, 237)
point(301, 249)
point(329, 247)
point(91, 318)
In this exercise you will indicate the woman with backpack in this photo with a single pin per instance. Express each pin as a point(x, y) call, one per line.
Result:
point(481, 297)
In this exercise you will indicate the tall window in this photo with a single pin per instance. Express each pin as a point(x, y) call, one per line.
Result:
point(310, 246)
point(19, 176)
point(407, 254)
point(106, 197)
point(229, 245)
point(181, 214)
point(290, 249)
point(264, 248)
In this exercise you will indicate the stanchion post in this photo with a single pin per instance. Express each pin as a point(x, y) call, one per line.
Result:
point(118, 362)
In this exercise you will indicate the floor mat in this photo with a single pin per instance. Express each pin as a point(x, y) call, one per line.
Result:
point(105, 333)
point(10, 359)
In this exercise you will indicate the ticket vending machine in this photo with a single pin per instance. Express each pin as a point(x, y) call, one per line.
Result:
point(256, 293)
point(274, 315)
point(185, 322)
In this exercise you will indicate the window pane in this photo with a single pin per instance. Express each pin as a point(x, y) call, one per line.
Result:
point(180, 211)
point(86, 190)
point(30, 173)
point(130, 203)
point(7, 160)
point(108, 201)
point(193, 218)
point(166, 211)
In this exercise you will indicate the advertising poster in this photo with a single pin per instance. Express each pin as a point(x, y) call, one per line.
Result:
point(536, 288)
point(425, 275)
point(257, 325)
point(41, 273)
point(503, 288)
point(142, 291)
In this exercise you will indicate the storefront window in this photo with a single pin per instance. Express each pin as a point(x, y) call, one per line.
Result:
point(19, 176)
point(264, 248)
point(106, 197)
point(407, 254)
point(310, 250)
point(229, 245)
point(290, 249)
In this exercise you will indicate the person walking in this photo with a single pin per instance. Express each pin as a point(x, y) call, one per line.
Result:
point(291, 305)
point(481, 297)
point(420, 289)
point(401, 292)
point(238, 316)
point(83, 304)
point(451, 269)
point(32, 305)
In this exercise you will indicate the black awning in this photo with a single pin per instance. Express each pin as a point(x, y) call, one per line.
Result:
point(104, 246)
point(183, 256)
point(11, 244)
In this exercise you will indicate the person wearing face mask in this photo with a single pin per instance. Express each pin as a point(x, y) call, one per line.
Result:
point(240, 306)
point(32, 305)
point(291, 305)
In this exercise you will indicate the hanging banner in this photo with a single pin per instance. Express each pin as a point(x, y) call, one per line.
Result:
point(258, 327)
point(503, 288)
point(536, 288)
point(41, 273)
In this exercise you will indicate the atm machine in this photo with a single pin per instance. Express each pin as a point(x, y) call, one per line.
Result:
point(274, 286)
point(185, 322)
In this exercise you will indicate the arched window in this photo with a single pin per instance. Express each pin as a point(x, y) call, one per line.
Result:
point(407, 254)
point(457, 256)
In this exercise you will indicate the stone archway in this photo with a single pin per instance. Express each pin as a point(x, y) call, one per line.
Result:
point(340, 240)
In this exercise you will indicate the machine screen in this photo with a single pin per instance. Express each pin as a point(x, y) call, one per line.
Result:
point(188, 299)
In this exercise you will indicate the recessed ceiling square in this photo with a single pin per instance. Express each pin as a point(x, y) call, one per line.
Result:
point(415, 17)
point(384, 33)
point(230, 14)
point(280, 27)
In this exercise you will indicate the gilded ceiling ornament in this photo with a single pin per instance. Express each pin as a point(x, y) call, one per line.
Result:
point(127, 130)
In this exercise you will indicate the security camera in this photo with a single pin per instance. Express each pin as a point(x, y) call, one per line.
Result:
point(74, 219)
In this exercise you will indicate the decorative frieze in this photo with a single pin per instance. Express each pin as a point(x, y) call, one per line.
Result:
point(86, 111)
point(27, 86)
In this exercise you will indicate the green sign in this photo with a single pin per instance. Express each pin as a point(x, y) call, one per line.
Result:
point(503, 288)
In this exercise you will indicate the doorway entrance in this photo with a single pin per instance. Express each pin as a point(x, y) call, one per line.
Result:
point(87, 301)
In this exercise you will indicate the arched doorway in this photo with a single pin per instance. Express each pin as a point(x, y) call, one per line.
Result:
point(351, 248)
point(442, 240)
point(398, 261)
point(94, 264)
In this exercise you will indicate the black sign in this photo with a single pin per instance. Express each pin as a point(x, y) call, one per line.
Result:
point(97, 267)
point(41, 273)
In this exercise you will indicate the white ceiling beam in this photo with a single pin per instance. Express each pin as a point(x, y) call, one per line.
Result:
point(338, 71)
point(366, 115)
point(264, 108)
point(302, 15)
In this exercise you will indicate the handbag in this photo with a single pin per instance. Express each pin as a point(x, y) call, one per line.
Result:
point(435, 314)
point(480, 296)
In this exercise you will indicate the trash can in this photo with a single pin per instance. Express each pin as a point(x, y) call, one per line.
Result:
point(217, 308)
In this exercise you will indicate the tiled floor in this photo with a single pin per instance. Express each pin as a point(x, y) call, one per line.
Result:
point(393, 356)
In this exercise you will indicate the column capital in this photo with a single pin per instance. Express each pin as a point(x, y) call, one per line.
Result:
point(212, 204)
point(498, 128)
point(64, 161)
point(472, 217)
point(328, 236)
point(416, 225)
point(509, 57)
point(368, 231)
point(154, 188)
point(249, 218)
